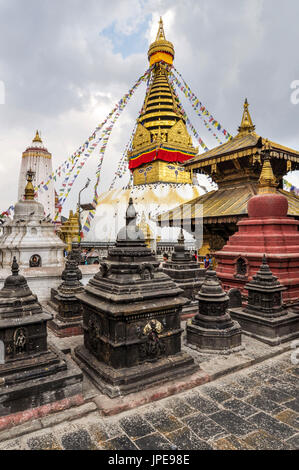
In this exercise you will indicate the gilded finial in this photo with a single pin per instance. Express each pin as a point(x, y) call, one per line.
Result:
point(160, 49)
point(246, 126)
point(29, 189)
point(160, 34)
point(37, 137)
point(267, 181)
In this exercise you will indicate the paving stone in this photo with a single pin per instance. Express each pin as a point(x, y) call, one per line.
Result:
point(119, 443)
point(135, 426)
point(261, 440)
point(275, 395)
point(288, 417)
point(44, 442)
point(272, 425)
point(163, 421)
point(288, 378)
point(233, 423)
point(263, 403)
point(179, 407)
point(293, 404)
point(77, 440)
point(283, 386)
point(185, 439)
point(154, 442)
point(198, 402)
point(293, 442)
point(230, 443)
point(241, 408)
point(216, 394)
point(203, 426)
point(248, 383)
point(11, 445)
point(236, 390)
point(104, 431)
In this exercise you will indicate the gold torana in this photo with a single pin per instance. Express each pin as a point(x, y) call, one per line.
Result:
point(161, 124)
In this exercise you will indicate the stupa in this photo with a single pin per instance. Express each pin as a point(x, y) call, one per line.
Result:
point(131, 319)
point(30, 236)
point(264, 316)
point(267, 230)
point(67, 308)
point(212, 330)
point(186, 273)
point(160, 145)
point(36, 158)
point(32, 372)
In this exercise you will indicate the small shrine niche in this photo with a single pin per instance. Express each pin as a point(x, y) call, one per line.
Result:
point(241, 267)
point(35, 261)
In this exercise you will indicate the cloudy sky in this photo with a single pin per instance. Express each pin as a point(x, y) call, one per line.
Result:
point(64, 64)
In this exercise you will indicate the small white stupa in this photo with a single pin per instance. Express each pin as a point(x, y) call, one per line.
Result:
point(30, 236)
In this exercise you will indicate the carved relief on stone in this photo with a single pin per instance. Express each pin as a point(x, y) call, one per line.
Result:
point(104, 269)
point(241, 267)
point(153, 347)
point(20, 340)
point(146, 271)
point(93, 332)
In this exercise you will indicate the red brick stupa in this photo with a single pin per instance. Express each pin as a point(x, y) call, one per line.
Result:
point(267, 230)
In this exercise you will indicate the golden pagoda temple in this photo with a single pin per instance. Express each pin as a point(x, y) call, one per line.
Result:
point(161, 141)
point(236, 167)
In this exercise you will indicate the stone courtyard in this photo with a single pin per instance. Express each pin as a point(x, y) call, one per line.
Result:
point(255, 408)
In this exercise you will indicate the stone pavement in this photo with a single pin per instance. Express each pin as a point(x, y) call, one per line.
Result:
point(256, 408)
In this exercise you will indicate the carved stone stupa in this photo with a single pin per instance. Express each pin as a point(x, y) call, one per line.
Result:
point(212, 330)
point(32, 373)
point(186, 273)
point(131, 319)
point(264, 316)
point(68, 319)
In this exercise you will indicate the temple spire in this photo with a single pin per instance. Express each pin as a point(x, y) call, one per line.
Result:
point(246, 126)
point(37, 138)
point(267, 180)
point(160, 34)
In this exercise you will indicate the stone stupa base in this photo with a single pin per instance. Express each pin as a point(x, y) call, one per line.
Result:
point(66, 328)
point(214, 341)
point(40, 380)
point(272, 331)
point(118, 382)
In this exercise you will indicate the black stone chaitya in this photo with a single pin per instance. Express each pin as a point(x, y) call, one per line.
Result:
point(212, 330)
point(186, 273)
point(68, 319)
point(264, 316)
point(32, 373)
point(131, 319)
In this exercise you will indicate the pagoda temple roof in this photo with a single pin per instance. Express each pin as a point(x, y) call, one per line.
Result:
point(245, 144)
point(227, 205)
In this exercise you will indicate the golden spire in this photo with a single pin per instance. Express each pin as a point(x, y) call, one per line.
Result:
point(267, 180)
point(37, 138)
point(161, 49)
point(246, 126)
point(29, 189)
point(160, 34)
